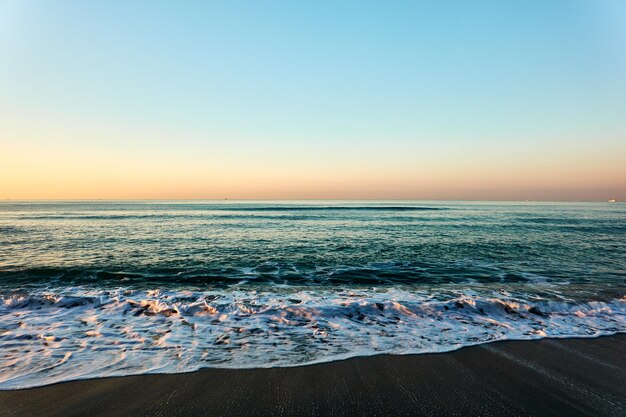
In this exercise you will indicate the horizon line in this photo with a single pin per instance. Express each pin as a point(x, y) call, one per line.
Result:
point(609, 200)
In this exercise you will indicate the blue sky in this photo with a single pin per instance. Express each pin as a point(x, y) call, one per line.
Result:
point(317, 92)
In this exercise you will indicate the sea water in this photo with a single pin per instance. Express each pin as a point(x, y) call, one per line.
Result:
point(93, 289)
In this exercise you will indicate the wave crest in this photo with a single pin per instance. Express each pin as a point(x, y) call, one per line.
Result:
point(78, 332)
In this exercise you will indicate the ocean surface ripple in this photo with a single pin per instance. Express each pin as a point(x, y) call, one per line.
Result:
point(90, 289)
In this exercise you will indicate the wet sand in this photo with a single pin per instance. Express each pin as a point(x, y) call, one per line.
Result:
point(548, 377)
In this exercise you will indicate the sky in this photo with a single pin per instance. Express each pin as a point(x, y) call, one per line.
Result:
point(481, 100)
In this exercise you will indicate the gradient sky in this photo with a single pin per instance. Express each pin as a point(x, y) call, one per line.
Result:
point(326, 99)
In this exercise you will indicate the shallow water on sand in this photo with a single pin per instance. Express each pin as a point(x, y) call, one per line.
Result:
point(114, 288)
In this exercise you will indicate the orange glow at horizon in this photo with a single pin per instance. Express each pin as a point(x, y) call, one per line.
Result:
point(41, 173)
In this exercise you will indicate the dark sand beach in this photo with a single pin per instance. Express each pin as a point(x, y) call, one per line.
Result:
point(547, 377)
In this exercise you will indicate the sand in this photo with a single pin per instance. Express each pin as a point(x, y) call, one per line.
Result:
point(547, 377)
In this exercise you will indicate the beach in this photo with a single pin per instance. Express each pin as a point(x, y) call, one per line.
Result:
point(542, 377)
point(313, 308)
point(312, 208)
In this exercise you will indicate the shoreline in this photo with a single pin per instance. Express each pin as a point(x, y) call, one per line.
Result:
point(325, 361)
point(573, 376)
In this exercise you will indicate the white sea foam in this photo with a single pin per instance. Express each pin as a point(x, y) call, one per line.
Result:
point(74, 333)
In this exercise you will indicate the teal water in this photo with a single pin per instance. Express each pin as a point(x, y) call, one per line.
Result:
point(114, 288)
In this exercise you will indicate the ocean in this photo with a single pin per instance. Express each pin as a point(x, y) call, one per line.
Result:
point(105, 288)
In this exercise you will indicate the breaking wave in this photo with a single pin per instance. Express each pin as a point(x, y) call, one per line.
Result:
point(51, 336)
